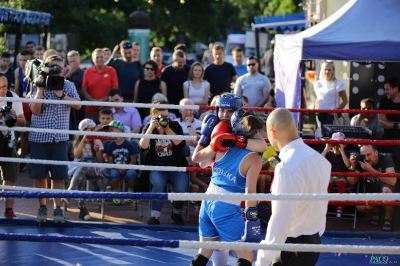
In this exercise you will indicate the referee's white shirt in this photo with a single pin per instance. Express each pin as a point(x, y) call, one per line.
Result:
point(301, 170)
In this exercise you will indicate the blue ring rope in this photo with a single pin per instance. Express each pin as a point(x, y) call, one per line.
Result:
point(83, 195)
point(88, 240)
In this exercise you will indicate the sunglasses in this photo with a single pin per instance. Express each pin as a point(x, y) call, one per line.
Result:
point(252, 64)
point(149, 68)
point(127, 45)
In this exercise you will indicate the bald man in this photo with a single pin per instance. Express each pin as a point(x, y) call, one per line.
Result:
point(190, 125)
point(301, 170)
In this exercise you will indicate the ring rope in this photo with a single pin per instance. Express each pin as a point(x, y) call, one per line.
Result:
point(22, 193)
point(185, 137)
point(195, 107)
point(206, 245)
point(169, 168)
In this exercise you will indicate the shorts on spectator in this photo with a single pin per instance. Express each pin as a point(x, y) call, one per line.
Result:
point(27, 111)
point(372, 188)
point(9, 171)
point(129, 175)
point(55, 151)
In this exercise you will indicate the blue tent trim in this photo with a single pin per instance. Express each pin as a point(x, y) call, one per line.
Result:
point(283, 18)
point(14, 16)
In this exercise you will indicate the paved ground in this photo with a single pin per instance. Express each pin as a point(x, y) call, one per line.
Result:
point(128, 214)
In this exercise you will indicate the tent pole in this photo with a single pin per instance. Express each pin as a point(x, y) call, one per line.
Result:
point(18, 39)
point(256, 31)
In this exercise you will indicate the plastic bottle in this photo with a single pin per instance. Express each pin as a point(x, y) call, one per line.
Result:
point(317, 133)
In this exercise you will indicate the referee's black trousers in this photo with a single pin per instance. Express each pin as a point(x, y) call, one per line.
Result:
point(299, 258)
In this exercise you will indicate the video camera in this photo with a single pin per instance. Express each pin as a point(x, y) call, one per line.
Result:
point(36, 67)
point(163, 121)
point(9, 119)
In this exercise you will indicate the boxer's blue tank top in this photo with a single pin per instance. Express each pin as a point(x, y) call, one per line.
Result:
point(226, 171)
point(21, 76)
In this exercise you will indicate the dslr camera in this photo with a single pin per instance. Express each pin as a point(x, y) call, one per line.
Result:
point(9, 119)
point(360, 157)
point(163, 121)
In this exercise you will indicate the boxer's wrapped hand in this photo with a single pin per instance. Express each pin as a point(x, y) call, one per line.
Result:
point(252, 227)
point(209, 123)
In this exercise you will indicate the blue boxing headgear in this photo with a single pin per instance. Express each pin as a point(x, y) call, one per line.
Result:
point(237, 127)
point(229, 101)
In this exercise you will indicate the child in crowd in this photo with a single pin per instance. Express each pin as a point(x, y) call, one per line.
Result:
point(121, 151)
point(84, 150)
point(337, 156)
point(105, 117)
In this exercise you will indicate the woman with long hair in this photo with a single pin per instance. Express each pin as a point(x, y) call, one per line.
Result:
point(195, 88)
point(329, 92)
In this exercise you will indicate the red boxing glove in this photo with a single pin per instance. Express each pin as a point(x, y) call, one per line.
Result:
point(221, 143)
point(221, 128)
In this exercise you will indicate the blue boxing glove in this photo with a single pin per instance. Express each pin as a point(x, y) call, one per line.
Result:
point(209, 122)
point(252, 227)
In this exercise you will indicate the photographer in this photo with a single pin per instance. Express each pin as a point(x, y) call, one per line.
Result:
point(50, 85)
point(15, 116)
point(373, 162)
point(165, 152)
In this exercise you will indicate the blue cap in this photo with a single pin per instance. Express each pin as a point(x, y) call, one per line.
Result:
point(237, 127)
point(229, 101)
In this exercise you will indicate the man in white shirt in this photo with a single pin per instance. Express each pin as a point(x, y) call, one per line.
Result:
point(301, 170)
point(190, 125)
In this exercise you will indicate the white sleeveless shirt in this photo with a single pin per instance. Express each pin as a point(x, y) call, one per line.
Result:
point(196, 95)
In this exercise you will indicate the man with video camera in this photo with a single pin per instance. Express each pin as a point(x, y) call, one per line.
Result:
point(11, 114)
point(50, 85)
point(372, 161)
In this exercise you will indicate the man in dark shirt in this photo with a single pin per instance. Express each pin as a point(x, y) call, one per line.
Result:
point(390, 122)
point(219, 74)
point(373, 162)
point(6, 70)
point(174, 76)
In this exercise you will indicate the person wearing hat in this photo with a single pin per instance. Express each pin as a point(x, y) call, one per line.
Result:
point(85, 149)
point(339, 159)
point(121, 151)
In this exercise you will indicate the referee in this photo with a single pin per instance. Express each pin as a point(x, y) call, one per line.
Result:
point(301, 170)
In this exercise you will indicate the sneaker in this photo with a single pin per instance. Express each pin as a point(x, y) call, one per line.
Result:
point(58, 216)
point(338, 217)
point(84, 214)
point(196, 210)
point(129, 200)
point(153, 221)
point(9, 214)
point(117, 201)
point(109, 187)
point(177, 218)
point(41, 215)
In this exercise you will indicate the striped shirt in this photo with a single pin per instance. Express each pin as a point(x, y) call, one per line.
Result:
point(52, 116)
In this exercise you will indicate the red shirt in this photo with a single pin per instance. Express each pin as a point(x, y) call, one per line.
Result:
point(160, 71)
point(98, 84)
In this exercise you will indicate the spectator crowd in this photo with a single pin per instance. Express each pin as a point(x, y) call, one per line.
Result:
point(118, 76)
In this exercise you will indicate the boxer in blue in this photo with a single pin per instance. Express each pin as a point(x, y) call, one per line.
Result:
point(235, 170)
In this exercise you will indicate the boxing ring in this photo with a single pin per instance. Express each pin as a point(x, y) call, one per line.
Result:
point(22, 242)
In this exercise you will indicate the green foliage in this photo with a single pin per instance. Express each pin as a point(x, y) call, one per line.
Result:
point(102, 23)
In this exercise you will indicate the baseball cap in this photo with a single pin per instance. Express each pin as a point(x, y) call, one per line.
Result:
point(338, 136)
point(86, 123)
point(115, 123)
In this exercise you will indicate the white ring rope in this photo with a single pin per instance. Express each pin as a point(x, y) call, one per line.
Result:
point(98, 133)
point(97, 103)
point(291, 247)
point(236, 196)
